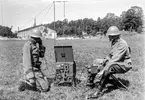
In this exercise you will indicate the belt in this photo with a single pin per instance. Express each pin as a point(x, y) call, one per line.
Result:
point(32, 70)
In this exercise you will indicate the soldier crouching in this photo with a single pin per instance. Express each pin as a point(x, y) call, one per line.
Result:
point(33, 51)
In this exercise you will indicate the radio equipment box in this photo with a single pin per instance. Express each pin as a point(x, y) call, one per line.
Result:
point(65, 65)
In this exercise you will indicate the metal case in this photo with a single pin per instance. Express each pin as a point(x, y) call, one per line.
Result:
point(65, 65)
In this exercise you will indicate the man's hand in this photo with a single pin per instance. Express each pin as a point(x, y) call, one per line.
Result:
point(104, 62)
point(99, 68)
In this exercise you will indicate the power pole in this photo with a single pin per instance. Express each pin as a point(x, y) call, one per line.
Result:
point(64, 7)
point(54, 22)
point(54, 14)
point(34, 22)
point(2, 13)
point(18, 29)
point(63, 11)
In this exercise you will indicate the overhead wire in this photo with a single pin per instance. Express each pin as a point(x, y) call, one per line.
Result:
point(46, 14)
point(36, 15)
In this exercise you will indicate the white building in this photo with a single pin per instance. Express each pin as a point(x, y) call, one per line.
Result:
point(47, 33)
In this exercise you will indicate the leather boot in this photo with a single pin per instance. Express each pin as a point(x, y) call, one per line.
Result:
point(25, 85)
point(22, 86)
point(96, 95)
point(90, 80)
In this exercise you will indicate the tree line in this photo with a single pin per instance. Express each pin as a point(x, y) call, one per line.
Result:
point(6, 32)
point(130, 20)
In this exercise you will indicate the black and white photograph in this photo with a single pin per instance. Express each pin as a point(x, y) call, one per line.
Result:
point(72, 50)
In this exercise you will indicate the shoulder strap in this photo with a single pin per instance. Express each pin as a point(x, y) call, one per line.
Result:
point(129, 50)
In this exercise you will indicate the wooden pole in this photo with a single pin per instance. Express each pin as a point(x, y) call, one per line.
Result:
point(54, 14)
point(2, 13)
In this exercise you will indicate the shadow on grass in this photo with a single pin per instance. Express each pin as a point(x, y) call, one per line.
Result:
point(69, 84)
point(113, 85)
point(50, 80)
point(29, 87)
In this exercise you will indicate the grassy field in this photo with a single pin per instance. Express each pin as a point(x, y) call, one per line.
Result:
point(85, 51)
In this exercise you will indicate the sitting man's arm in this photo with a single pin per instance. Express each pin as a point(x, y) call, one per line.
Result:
point(118, 52)
point(106, 59)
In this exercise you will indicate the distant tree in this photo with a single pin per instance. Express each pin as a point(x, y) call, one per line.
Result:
point(138, 11)
point(98, 24)
point(109, 20)
point(6, 32)
point(133, 20)
point(122, 19)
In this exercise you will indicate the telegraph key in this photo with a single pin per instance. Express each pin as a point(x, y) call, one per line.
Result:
point(65, 65)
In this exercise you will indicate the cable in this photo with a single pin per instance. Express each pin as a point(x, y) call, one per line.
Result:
point(46, 14)
point(36, 15)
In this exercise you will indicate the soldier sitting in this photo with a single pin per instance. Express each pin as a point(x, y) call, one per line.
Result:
point(118, 61)
point(33, 50)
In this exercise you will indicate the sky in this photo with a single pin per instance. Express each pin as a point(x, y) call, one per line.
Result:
point(21, 13)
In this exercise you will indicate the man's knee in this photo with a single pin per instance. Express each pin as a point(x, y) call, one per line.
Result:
point(97, 62)
point(110, 66)
point(43, 84)
point(115, 68)
point(31, 81)
point(94, 69)
point(106, 72)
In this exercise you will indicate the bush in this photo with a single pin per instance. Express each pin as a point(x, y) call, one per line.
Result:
point(140, 29)
point(6, 32)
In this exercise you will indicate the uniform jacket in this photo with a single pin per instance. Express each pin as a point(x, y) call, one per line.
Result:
point(31, 54)
point(119, 52)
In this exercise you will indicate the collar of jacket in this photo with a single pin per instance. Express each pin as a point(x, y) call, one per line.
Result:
point(32, 40)
point(114, 41)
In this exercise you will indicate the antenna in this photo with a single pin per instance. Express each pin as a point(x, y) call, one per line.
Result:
point(34, 22)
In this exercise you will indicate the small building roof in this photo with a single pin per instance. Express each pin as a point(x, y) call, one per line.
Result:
point(30, 28)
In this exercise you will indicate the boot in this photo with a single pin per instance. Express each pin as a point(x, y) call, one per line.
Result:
point(96, 95)
point(103, 82)
point(22, 86)
point(90, 80)
point(25, 85)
